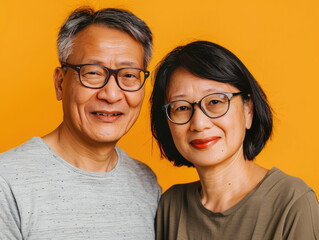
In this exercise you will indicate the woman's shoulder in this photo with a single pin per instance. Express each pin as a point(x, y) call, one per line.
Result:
point(298, 203)
point(278, 181)
point(287, 193)
point(179, 192)
point(182, 188)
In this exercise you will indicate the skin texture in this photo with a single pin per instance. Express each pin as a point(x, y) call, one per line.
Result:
point(85, 139)
point(215, 146)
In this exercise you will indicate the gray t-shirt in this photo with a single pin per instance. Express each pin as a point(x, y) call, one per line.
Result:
point(44, 197)
point(280, 207)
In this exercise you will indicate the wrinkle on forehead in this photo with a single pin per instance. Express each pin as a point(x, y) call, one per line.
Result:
point(104, 46)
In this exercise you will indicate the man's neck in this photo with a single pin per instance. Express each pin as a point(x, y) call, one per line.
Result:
point(86, 155)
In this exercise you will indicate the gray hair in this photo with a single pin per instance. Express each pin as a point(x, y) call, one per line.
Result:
point(111, 17)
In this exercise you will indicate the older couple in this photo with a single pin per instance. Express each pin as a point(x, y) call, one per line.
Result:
point(207, 111)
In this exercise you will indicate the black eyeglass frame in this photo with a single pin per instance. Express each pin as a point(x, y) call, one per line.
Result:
point(199, 103)
point(110, 73)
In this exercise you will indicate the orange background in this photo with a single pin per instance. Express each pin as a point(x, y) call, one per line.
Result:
point(277, 40)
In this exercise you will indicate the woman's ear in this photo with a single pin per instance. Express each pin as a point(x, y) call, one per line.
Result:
point(249, 112)
point(58, 80)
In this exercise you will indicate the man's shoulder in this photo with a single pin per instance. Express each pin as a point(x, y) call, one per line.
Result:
point(138, 172)
point(31, 146)
point(22, 156)
point(133, 165)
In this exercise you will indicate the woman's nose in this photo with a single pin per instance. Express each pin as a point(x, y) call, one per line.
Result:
point(200, 121)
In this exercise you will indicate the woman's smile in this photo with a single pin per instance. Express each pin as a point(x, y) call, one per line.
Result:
point(204, 142)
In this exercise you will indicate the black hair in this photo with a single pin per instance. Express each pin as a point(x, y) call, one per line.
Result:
point(210, 61)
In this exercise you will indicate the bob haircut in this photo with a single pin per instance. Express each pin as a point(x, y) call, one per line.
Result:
point(210, 61)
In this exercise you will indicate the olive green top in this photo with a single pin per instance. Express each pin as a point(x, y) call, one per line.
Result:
point(280, 207)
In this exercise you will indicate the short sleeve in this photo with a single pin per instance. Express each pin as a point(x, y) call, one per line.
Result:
point(162, 219)
point(159, 192)
point(9, 214)
point(168, 214)
point(303, 219)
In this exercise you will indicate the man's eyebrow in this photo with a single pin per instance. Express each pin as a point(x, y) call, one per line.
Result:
point(125, 63)
point(94, 62)
point(128, 64)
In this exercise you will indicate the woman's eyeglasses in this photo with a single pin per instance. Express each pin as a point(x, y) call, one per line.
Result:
point(213, 105)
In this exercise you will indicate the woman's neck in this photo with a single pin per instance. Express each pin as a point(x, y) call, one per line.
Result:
point(224, 186)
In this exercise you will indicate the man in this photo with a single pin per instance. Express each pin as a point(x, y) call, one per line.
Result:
point(75, 183)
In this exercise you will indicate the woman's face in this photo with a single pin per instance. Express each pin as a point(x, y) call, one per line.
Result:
point(204, 141)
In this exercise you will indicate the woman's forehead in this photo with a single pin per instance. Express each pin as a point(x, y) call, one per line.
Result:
point(183, 84)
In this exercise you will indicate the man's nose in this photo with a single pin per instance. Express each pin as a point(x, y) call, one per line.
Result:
point(111, 91)
point(200, 121)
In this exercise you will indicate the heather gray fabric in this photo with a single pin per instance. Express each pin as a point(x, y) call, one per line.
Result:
point(44, 197)
point(281, 207)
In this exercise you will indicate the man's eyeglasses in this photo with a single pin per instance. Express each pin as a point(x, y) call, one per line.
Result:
point(213, 105)
point(97, 76)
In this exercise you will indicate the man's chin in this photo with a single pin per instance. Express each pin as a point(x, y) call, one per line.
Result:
point(106, 138)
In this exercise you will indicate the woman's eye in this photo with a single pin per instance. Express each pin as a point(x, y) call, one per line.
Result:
point(182, 108)
point(214, 102)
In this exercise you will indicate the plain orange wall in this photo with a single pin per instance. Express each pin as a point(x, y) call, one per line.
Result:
point(277, 40)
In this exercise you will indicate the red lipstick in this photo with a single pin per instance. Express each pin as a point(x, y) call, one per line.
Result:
point(204, 142)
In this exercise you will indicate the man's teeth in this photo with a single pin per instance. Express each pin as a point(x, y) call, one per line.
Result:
point(108, 114)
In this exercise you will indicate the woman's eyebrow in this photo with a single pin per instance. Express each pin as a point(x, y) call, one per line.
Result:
point(207, 91)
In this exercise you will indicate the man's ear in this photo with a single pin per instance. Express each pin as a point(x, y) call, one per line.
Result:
point(58, 80)
point(249, 112)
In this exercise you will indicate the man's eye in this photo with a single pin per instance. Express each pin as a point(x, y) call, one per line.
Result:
point(130, 75)
point(92, 73)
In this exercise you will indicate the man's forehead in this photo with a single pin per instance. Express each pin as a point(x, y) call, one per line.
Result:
point(96, 28)
point(99, 44)
point(109, 36)
point(124, 62)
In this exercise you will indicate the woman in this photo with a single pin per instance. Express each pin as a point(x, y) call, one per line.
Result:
point(209, 112)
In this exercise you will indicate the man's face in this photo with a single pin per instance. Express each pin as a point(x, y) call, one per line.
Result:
point(100, 115)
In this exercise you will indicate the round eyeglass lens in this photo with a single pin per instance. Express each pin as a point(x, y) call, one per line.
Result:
point(179, 111)
point(215, 105)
